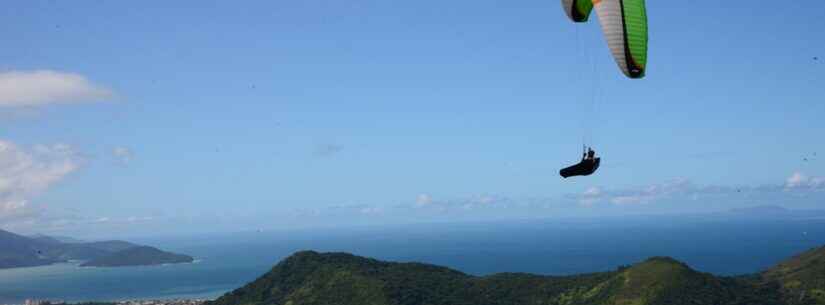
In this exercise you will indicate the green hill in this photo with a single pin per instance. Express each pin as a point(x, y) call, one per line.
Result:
point(138, 256)
point(309, 278)
point(658, 280)
point(801, 278)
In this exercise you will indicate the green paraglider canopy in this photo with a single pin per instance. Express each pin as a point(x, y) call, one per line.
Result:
point(624, 24)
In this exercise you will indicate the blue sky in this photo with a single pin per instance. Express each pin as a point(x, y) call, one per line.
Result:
point(271, 114)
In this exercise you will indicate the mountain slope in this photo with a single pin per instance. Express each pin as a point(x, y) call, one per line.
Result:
point(802, 277)
point(308, 277)
point(22, 251)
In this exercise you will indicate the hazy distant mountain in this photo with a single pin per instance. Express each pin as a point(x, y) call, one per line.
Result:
point(21, 251)
point(307, 278)
point(770, 212)
point(110, 245)
point(138, 256)
point(46, 239)
point(762, 210)
point(56, 239)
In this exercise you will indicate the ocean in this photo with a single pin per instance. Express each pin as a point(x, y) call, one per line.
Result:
point(720, 245)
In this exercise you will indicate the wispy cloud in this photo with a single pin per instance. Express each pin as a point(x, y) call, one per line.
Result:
point(425, 207)
point(25, 174)
point(590, 196)
point(799, 180)
point(636, 195)
point(672, 196)
point(423, 200)
point(327, 150)
point(653, 192)
point(43, 87)
point(62, 222)
point(372, 210)
point(684, 191)
point(123, 155)
point(476, 202)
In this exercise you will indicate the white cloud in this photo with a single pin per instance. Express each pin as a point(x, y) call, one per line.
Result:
point(796, 179)
point(683, 191)
point(799, 180)
point(481, 202)
point(485, 202)
point(16, 209)
point(116, 221)
point(123, 155)
point(593, 192)
point(423, 200)
point(673, 196)
point(26, 174)
point(425, 207)
point(42, 87)
point(590, 196)
point(632, 199)
point(639, 195)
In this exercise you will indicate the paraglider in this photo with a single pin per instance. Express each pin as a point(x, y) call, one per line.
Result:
point(624, 25)
point(588, 165)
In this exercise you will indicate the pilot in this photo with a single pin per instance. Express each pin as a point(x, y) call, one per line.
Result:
point(591, 155)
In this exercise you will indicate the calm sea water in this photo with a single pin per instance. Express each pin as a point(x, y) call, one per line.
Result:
point(719, 245)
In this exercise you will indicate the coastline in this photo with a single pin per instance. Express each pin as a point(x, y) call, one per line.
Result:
point(79, 265)
point(17, 284)
point(143, 301)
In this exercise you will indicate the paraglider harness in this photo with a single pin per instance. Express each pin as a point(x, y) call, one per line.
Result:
point(588, 165)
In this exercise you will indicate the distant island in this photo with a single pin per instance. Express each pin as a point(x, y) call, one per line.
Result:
point(310, 278)
point(23, 251)
point(138, 256)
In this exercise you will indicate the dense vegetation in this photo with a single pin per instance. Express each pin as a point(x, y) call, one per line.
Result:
point(802, 278)
point(308, 277)
point(138, 256)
